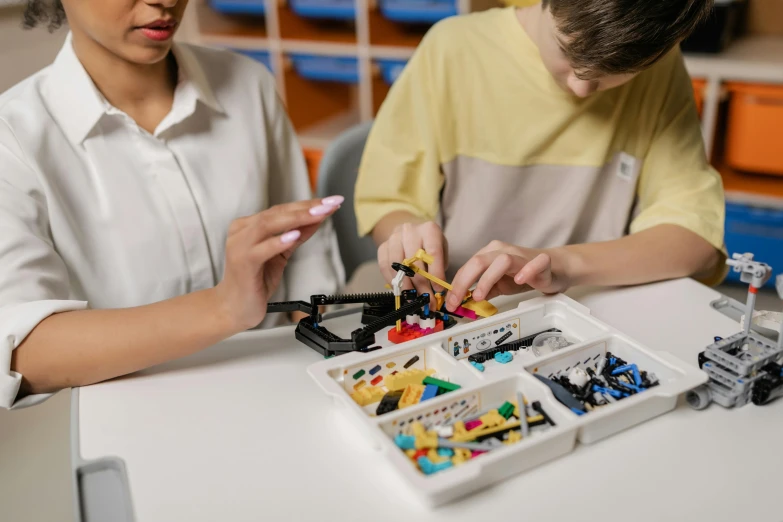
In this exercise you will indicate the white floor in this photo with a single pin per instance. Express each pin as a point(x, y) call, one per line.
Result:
point(35, 482)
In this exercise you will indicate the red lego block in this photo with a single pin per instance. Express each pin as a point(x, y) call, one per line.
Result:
point(410, 332)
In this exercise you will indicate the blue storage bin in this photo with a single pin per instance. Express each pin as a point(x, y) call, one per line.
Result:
point(418, 11)
point(251, 7)
point(391, 68)
point(757, 230)
point(258, 55)
point(324, 9)
point(343, 69)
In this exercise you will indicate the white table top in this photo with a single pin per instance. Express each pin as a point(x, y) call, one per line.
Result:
point(241, 432)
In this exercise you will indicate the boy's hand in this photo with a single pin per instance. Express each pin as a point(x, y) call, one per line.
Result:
point(404, 242)
point(504, 269)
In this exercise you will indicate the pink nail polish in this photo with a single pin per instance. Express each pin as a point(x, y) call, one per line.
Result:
point(320, 210)
point(290, 237)
point(333, 201)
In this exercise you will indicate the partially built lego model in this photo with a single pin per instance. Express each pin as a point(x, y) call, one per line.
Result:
point(744, 367)
point(404, 308)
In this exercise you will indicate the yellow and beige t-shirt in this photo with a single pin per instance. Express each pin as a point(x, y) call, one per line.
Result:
point(476, 135)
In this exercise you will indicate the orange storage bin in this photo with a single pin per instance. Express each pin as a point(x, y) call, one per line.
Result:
point(313, 159)
point(698, 93)
point(755, 127)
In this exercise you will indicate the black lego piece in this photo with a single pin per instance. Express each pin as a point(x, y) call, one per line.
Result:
point(311, 333)
point(389, 402)
point(513, 346)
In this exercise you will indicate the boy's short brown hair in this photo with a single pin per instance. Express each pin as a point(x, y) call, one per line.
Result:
point(606, 37)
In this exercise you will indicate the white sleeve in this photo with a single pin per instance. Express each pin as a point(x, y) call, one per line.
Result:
point(33, 278)
point(316, 266)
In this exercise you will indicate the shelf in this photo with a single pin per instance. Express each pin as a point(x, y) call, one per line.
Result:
point(312, 104)
point(214, 25)
point(752, 59)
point(751, 188)
point(319, 135)
point(331, 49)
point(384, 72)
point(235, 42)
point(295, 27)
point(382, 51)
point(384, 32)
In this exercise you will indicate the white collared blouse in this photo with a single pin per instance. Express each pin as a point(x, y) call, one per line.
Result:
point(96, 212)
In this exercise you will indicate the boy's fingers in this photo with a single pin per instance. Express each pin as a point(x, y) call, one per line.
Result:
point(384, 265)
point(433, 245)
point(531, 272)
point(463, 280)
point(502, 265)
point(396, 253)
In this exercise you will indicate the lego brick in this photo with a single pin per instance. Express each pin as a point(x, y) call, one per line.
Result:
point(410, 332)
point(450, 386)
point(389, 402)
point(403, 379)
point(430, 391)
point(412, 395)
point(367, 395)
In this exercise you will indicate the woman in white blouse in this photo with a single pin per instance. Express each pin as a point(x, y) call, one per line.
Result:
point(134, 178)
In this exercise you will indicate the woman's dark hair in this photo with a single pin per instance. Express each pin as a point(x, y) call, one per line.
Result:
point(44, 11)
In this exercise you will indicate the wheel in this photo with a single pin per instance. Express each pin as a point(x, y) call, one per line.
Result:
point(408, 271)
point(761, 392)
point(698, 398)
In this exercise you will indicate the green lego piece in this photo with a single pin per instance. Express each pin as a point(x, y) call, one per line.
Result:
point(506, 410)
point(448, 386)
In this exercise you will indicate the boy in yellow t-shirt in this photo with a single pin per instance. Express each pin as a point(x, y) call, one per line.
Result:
point(546, 146)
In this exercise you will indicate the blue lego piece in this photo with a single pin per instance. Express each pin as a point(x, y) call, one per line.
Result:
point(446, 452)
point(426, 310)
point(503, 357)
point(633, 369)
point(631, 386)
point(428, 467)
point(405, 441)
point(477, 365)
point(578, 412)
point(614, 393)
point(430, 391)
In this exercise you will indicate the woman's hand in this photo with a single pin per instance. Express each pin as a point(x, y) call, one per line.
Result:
point(504, 269)
point(257, 250)
point(404, 242)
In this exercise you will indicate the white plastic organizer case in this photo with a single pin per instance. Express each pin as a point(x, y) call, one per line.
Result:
point(362, 378)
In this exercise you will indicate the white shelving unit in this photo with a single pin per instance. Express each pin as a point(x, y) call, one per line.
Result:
point(322, 112)
point(368, 37)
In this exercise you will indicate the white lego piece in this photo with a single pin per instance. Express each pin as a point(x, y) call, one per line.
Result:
point(445, 432)
point(578, 377)
point(427, 323)
point(412, 319)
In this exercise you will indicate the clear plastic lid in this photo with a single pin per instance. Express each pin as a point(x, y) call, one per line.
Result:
point(549, 342)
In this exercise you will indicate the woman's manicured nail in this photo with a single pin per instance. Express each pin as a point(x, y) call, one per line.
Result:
point(290, 237)
point(320, 210)
point(333, 201)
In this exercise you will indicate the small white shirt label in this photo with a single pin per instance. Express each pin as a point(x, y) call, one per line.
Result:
point(626, 168)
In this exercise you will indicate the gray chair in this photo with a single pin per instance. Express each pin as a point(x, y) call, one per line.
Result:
point(337, 174)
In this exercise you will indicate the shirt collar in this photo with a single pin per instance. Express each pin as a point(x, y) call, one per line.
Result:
point(77, 104)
